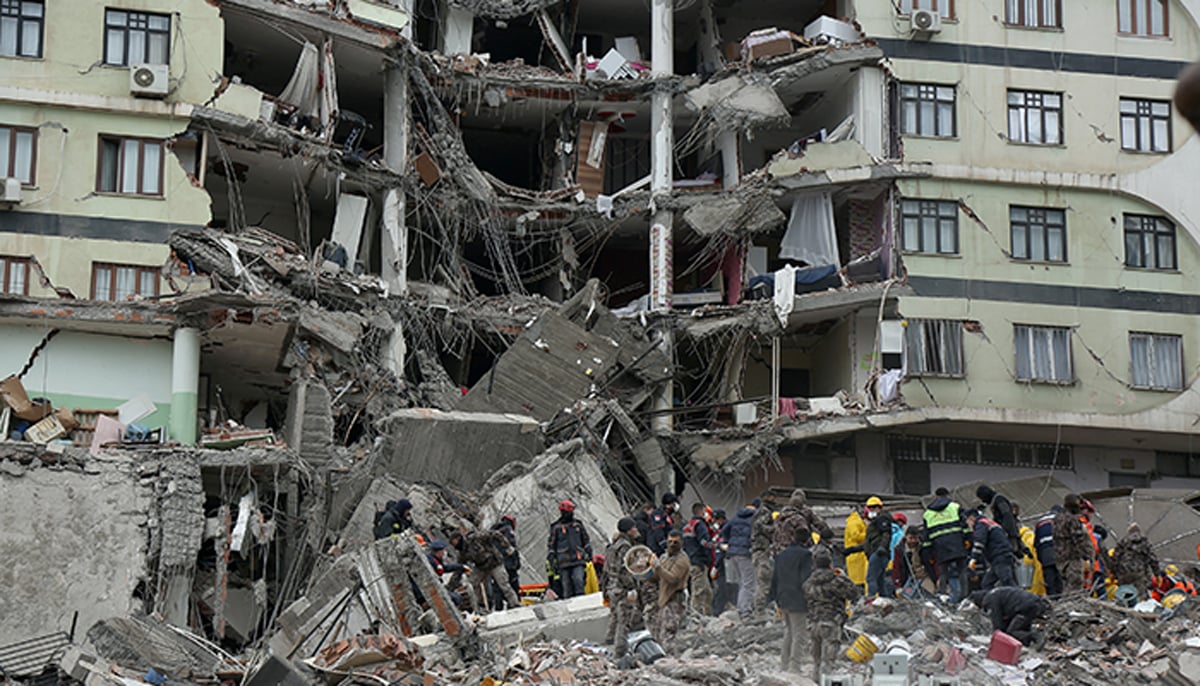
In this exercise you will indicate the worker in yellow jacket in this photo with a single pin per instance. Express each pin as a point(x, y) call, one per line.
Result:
point(856, 559)
point(1039, 581)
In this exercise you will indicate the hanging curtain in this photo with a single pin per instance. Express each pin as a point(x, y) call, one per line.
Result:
point(303, 90)
point(811, 235)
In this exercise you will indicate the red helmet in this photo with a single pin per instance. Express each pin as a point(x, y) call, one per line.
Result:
point(566, 506)
point(512, 521)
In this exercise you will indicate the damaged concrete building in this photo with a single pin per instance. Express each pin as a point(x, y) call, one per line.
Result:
point(258, 255)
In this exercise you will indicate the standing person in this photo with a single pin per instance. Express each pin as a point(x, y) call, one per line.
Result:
point(482, 552)
point(797, 515)
point(507, 527)
point(620, 587)
point(825, 596)
point(724, 594)
point(569, 550)
point(1072, 545)
point(662, 520)
point(1043, 547)
point(642, 520)
point(762, 539)
point(946, 533)
point(854, 538)
point(698, 544)
point(1037, 584)
point(1004, 515)
point(672, 573)
point(991, 544)
point(736, 533)
point(793, 566)
point(878, 548)
point(1133, 561)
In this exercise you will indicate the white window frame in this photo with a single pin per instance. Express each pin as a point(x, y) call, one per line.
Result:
point(1037, 344)
point(1027, 108)
point(1161, 347)
point(934, 347)
point(1145, 125)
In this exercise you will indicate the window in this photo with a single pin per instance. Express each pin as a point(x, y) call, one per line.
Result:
point(933, 347)
point(121, 281)
point(18, 153)
point(1183, 465)
point(1039, 234)
point(14, 275)
point(1043, 353)
point(1142, 17)
point(1149, 242)
point(1145, 125)
point(1156, 361)
point(1038, 14)
point(1035, 117)
point(136, 38)
point(942, 7)
point(971, 451)
point(21, 24)
point(929, 226)
point(927, 109)
point(130, 165)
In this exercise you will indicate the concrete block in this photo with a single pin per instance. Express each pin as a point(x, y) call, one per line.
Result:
point(499, 620)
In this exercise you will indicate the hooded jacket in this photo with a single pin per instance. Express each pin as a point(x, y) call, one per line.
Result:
point(945, 529)
point(793, 566)
point(736, 532)
point(1002, 513)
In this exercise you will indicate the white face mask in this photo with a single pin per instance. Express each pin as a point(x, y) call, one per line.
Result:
point(871, 514)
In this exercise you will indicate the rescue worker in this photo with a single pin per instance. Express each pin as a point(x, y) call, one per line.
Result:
point(1013, 611)
point(642, 519)
point(762, 541)
point(946, 533)
point(736, 534)
point(797, 515)
point(671, 571)
point(853, 539)
point(1133, 561)
point(507, 527)
point(878, 548)
point(914, 570)
point(1004, 515)
point(793, 566)
point(394, 518)
point(988, 542)
point(1037, 585)
point(483, 554)
point(569, 550)
point(1073, 551)
point(724, 593)
point(620, 587)
point(441, 566)
point(662, 520)
point(1094, 574)
point(1043, 546)
point(1170, 580)
point(825, 596)
point(698, 544)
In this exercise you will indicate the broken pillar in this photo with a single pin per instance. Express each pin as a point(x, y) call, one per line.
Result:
point(309, 427)
point(394, 236)
point(185, 385)
point(662, 159)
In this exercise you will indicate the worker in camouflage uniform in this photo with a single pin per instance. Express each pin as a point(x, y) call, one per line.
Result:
point(826, 593)
point(1073, 551)
point(798, 516)
point(1133, 561)
point(762, 538)
point(672, 574)
point(481, 552)
point(620, 587)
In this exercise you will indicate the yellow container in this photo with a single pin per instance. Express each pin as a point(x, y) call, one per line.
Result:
point(863, 649)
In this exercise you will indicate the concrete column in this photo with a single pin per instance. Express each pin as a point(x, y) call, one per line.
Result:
point(393, 242)
point(185, 385)
point(731, 159)
point(662, 57)
point(710, 43)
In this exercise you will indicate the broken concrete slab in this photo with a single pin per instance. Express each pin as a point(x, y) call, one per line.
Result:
point(143, 643)
point(582, 618)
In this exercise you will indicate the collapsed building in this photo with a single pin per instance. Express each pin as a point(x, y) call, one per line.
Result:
point(332, 252)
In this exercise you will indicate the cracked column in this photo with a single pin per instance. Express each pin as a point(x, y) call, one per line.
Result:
point(394, 241)
point(185, 385)
point(662, 39)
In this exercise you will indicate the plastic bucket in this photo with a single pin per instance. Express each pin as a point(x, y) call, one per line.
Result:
point(639, 562)
point(1024, 574)
point(1125, 595)
point(863, 649)
point(644, 647)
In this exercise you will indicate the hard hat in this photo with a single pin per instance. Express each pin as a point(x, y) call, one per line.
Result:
point(874, 501)
point(512, 521)
point(900, 517)
point(566, 506)
point(1171, 570)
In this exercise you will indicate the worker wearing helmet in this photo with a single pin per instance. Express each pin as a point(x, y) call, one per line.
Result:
point(569, 550)
point(878, 548)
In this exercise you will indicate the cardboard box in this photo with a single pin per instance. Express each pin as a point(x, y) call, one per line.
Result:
point(15, 397)
point(45, 431)
point(67, 419)
point(767, 43)
point(427, 168)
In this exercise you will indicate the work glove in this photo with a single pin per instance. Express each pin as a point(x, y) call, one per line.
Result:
point(972, 565)
point(778, 612)
point(631, 597)
point(712, 574)
point(852, 550)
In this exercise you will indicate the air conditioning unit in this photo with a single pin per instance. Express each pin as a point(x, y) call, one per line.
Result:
point(10, 191)
point(148, 80)
point(926, 22)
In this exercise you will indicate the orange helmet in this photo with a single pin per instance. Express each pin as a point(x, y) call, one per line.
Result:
point(566, 506)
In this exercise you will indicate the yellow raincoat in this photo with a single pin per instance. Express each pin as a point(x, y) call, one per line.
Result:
point(1039, 581)
point(856, 534)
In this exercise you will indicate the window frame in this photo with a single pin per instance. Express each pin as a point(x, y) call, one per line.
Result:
point(943, 329)
point(139, 271)
point(1153, 340)
point(932, 88)
point(8, 168)
point(120, 165)
point(1142, 8)
point(928, 209)
point(907, 7)
point(125, 30)
point(1026, 108)
point(7, 262)
point(1156, 233)
point(1029, 224)
point(1137, 116)
point(16, 8)
point(1019, 21)
point(1028, 342)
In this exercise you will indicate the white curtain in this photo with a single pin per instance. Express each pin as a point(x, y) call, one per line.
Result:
point(301, 91)
point(811, 235)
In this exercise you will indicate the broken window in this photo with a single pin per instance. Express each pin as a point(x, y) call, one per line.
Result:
point(1142, 17)
point(929, 226)
point(14, 275)
point(130, 166)
point(136, 38)
point(927, 109)
point(1035, 117)
point(118, 282)
point(933, 347)
point(1039, 234)
point(1039, 14)
point(21, 23)
point(18, 153)
point(1043, 353)
point(1156, 361)
point(942, 7)
point(1149, 242)
point(1145, 125)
